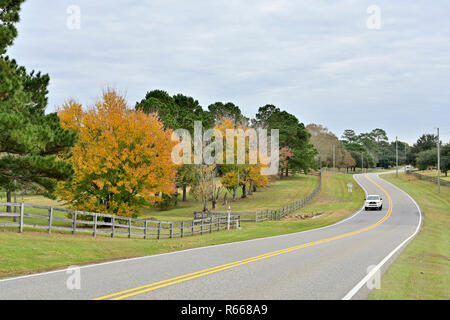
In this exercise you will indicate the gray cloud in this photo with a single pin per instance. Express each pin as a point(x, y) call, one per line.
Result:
point(316, 59)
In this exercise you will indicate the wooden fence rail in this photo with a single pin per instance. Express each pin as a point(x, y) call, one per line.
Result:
point(268, 214)
point(429, 178)
point(51, 218)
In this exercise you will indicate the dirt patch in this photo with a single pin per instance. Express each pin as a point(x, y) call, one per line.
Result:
point(302, 216)
point(438, 256)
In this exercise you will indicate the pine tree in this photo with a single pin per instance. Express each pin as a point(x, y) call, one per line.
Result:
point(32, 144)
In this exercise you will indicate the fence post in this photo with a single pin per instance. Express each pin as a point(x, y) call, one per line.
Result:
point(145, 229)
point(129, 227)
point(182, 229)
point(193, 227)
point(159, 230)
point(21, 218)
point(74, 223)
point(95, 224)
point(201, 227)
point(210, 224)
point(50, 220)
point(113, 221)
point(171, 230)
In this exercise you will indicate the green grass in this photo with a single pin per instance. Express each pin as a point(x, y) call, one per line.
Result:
point(274, 196)
point(333, 202)
point(422, 271)
point(31, 252)
point(433, 173)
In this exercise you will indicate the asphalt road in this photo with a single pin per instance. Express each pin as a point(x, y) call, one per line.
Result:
point(334, 262)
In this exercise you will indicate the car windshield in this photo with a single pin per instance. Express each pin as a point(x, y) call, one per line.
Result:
point(373, 197)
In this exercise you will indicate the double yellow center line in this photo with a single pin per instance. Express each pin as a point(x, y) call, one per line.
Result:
point(165, 283)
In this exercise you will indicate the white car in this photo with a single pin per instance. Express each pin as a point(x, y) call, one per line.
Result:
point(373, 201)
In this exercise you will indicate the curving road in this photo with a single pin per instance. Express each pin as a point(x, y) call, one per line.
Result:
point(334, 262)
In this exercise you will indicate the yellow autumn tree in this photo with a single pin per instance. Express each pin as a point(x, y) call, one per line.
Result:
point(122, 159)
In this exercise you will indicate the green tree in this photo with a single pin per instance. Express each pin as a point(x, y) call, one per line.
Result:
point(263, 115)
point(292, 134)
point(33, 145)
point(349, 136)
point(379, 135)
point(359, 151)
point(188, 111)
point(160, 102)
point(9, 16)
point(229, 110)
point(427, 158)
point(424, 143)
point(186, 177)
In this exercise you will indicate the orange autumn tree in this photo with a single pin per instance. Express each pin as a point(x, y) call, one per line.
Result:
point(122, 159)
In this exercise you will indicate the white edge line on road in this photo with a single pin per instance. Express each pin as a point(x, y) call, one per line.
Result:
point(191, 249)
point(364, 280)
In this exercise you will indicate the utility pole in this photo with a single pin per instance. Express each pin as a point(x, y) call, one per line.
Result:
point(438, 162)
point(405, 154)
point(334, 158)
point(396, 157)
point(362, 162)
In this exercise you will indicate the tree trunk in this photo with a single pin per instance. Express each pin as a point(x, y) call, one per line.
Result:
point(287, 172)
point(184, 193)
point(250, 189)
point(254, 188)
point(244, 191)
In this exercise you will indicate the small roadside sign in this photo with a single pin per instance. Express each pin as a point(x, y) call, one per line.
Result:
point(349, 186)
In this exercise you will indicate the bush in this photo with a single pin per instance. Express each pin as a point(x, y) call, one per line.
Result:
point(168, 202)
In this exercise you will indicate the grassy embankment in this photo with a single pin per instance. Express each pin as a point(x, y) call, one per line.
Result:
point(422, 271)
point(37, 251)
point(433, 173)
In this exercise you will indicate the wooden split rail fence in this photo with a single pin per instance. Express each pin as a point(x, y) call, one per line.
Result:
point(50, 218)
point(268, 214)
point(428, 178)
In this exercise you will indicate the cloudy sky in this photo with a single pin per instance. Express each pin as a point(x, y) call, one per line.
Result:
point(318, 59)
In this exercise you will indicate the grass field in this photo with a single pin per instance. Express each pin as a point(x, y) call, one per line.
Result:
point(274, 196)
point(31, 252)
point(433, 173)
point(422, 271)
